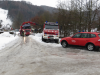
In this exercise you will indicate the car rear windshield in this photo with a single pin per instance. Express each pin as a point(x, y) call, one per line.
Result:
point(99, 35)
point(51, 27)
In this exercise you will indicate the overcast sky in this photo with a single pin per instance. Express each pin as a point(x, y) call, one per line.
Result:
point(52, 3)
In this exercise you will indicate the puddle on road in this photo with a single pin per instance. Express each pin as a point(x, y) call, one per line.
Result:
point(24, 39)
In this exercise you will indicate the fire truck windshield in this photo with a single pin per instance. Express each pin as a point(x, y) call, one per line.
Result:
point(26, 27)
point(51, 27)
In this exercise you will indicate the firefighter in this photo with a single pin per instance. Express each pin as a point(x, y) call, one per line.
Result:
point(22, 32)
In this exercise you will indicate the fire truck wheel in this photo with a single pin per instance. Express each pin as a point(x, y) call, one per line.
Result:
point(57, 41)
point(26, 35)
point(47, 40)
point(42, 38)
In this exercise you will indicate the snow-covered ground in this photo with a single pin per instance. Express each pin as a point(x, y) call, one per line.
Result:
point(38, 37)
point(6, 38)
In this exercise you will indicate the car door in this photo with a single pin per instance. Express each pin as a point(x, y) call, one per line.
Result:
point(83, 39)
point(75, 39)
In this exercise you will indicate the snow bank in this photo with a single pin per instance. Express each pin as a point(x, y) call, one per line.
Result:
point(38, 37)
point(5, 38)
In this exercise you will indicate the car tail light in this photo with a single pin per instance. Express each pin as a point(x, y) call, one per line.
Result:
point(99, 40)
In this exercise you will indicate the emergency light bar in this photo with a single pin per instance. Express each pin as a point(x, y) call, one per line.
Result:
point(51, 23)
point(82, 31)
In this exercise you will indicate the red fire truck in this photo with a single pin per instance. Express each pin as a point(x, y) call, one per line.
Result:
point(50, 32)
point(25, 28)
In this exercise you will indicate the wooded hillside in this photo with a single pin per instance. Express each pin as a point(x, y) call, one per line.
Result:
point(26, 10)
point(21, 11)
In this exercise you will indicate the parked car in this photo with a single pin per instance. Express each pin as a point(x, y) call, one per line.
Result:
point(91, 40)
point(16, 30)
point(12, 31)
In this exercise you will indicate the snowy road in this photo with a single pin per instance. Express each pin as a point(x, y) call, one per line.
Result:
point(26, 56)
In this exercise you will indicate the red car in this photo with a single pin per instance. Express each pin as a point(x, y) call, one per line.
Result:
point(91, 40)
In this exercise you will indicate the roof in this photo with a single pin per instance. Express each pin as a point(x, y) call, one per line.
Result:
point(91, 32)
point(28, 22)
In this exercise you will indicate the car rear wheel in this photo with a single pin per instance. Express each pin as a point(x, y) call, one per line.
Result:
point(43, 39)
point(64, 44)
point(90, 47)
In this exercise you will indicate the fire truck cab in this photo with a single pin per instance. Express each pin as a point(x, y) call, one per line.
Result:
point(50, 32)
point(25, 28)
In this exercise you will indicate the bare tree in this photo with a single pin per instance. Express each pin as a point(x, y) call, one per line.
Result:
point(63, 18)
point(18, 21)
point(91, 13)
point(79, 15)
